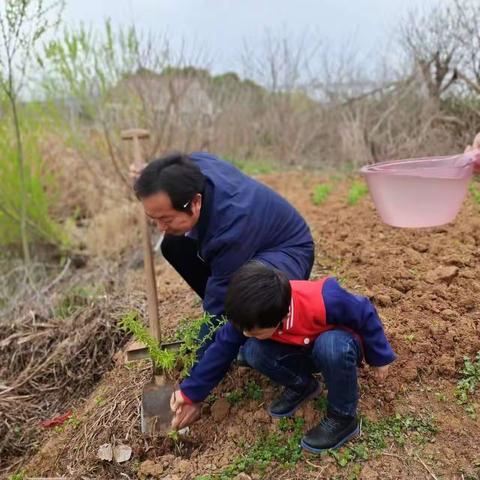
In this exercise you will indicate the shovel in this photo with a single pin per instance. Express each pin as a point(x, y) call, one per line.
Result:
point(156, 415)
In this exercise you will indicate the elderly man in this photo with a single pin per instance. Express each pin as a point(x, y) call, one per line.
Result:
point(215, 219)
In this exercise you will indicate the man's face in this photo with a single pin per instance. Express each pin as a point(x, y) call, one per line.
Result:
point(158, 207)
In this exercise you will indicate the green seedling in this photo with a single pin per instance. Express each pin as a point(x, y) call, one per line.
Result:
point(174, 436)
point(321, 193)
point(188, 331)
point(356, 192)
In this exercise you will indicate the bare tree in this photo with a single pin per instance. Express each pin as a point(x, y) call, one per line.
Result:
point(467, 13)
point(430, 39)
point(22, 24)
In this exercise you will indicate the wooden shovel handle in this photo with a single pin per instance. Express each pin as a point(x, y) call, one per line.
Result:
point(135, 134)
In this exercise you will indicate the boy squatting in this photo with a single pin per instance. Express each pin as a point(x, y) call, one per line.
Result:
point(290, 330)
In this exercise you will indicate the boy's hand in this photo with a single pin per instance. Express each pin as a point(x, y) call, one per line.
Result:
point(380, 373)
point(185, 413)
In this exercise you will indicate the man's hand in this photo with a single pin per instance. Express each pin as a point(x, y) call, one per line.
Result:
point(185, 413)
point(380, 373)
point(134, 171)
point(475, 146)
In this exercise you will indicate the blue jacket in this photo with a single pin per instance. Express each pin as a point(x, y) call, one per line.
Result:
point(241, 219)
point(342, 309)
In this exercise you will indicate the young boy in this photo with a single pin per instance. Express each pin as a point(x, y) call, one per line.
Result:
point(294, 329)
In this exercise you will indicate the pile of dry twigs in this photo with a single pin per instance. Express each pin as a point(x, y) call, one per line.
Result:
point(47, 365)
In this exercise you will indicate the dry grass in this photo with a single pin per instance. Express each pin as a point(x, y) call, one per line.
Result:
point(49, 364)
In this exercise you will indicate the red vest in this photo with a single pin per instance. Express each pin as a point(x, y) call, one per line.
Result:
point(307, 317)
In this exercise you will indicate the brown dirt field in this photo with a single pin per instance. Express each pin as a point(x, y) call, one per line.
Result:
point(431, 316)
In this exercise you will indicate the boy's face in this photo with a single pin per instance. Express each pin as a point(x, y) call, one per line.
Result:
point(261, 333)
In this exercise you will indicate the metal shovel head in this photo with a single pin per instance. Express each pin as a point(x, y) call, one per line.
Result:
point(155, 411)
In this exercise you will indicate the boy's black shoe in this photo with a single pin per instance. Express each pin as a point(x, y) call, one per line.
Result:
point(291, 400)
point(332, 432)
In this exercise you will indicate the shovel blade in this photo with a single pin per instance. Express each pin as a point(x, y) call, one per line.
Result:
point(155, 411)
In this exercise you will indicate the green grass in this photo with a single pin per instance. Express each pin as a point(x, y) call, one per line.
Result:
point(252, 391)
point(378, 436)
point(468, 384)
point(356, 191)
point(282, 447)
point(41, 185)
point(234, 397)
point(321, 193)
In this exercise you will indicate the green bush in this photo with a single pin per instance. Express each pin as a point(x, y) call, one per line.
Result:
point(41, 186)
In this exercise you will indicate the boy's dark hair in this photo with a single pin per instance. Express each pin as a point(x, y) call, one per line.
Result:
point(174, 174)
point(257, 297)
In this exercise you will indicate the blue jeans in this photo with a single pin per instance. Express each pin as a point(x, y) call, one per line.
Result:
point(335, 353)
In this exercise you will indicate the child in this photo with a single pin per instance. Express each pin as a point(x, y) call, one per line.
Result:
point(294, 328)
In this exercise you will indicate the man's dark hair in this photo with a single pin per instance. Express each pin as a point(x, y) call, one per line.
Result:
point(174, 174)
point(257, 297)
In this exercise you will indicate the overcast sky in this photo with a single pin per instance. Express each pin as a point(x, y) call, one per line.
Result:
point(222, 26)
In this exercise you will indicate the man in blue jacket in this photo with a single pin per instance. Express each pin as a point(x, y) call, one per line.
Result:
point(215, 219)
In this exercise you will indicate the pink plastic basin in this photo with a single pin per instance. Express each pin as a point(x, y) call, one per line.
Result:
point(420, 192)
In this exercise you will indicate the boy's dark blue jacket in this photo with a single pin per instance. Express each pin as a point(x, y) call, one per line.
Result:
point(340, 309)
point(241, 219)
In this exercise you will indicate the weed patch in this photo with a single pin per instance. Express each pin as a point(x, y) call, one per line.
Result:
point(281, 447)
point(467, 385)
point(378, 436)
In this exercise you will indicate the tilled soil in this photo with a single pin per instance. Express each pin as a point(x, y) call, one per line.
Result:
point(426, 286)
